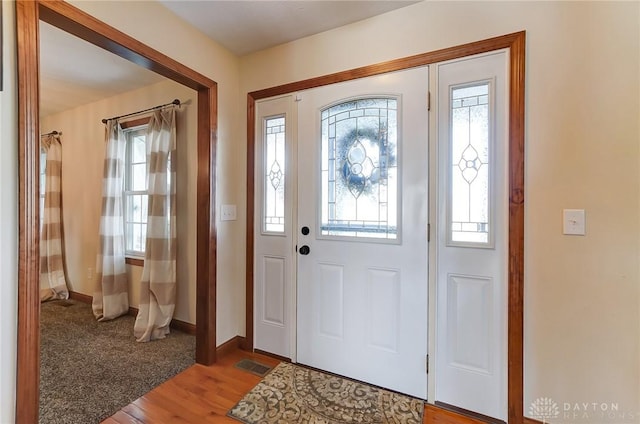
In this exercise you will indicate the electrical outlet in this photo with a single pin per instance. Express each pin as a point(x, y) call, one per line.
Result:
point(89, 273)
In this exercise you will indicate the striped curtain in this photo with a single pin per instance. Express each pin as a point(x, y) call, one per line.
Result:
point(53, 282)
point(158, 282)
point(111, 296)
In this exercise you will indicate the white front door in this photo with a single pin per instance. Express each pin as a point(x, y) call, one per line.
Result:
point(362, 230)
point(472, 231)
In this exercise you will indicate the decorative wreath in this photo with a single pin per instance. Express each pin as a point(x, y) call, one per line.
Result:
point(361, 170)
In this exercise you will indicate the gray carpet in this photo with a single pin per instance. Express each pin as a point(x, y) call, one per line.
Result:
point(89, 370)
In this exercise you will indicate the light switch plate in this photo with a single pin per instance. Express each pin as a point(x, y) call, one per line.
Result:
point(228, 213)
point(573, 222)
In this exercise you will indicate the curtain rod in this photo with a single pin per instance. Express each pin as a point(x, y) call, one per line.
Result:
point(174, 102)
point(51, 133)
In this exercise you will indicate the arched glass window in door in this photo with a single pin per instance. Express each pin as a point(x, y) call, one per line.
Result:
point(360, 168)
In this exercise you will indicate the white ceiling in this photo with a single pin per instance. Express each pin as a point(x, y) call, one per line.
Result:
point(74, 72)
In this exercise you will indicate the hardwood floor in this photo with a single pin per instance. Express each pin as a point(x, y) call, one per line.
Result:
point(204, 394)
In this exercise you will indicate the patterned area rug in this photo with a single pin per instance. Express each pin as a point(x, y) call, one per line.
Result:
point(293, 394)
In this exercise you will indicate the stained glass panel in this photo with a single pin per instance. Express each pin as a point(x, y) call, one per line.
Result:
point(470, 161)
point(359, 168)
point(274, 177)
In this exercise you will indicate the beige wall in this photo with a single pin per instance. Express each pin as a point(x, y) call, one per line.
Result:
point(582, 322)
point(173, 37)
point(82, 164)
point(8, 216)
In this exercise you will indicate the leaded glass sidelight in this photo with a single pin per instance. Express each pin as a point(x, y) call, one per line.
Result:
point(470, 162)
point(360, 168)
point(274, 168)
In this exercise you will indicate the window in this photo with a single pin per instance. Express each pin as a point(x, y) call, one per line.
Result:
point(135, 191)
point(274, 184)
point(360, 168)
point(43, 179)
point(470, 152)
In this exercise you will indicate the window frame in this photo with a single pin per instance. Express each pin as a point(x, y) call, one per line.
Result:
point(265, 178)
point(136, 126)
point(321, 227)
point(490, 242)
point(43, 184)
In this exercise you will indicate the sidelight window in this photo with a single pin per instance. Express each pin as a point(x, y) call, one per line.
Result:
point(274, 178)
point(470, 153)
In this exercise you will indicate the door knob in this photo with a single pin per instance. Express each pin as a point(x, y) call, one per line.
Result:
point(304, 250)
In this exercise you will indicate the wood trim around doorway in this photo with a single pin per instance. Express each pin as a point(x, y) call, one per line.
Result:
point(515, 43)
point(76, 22)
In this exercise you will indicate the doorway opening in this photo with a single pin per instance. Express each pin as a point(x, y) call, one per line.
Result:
point(84, 26)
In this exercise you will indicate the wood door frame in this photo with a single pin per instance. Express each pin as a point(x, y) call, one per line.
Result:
point(76, 22)
point(515, 43)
